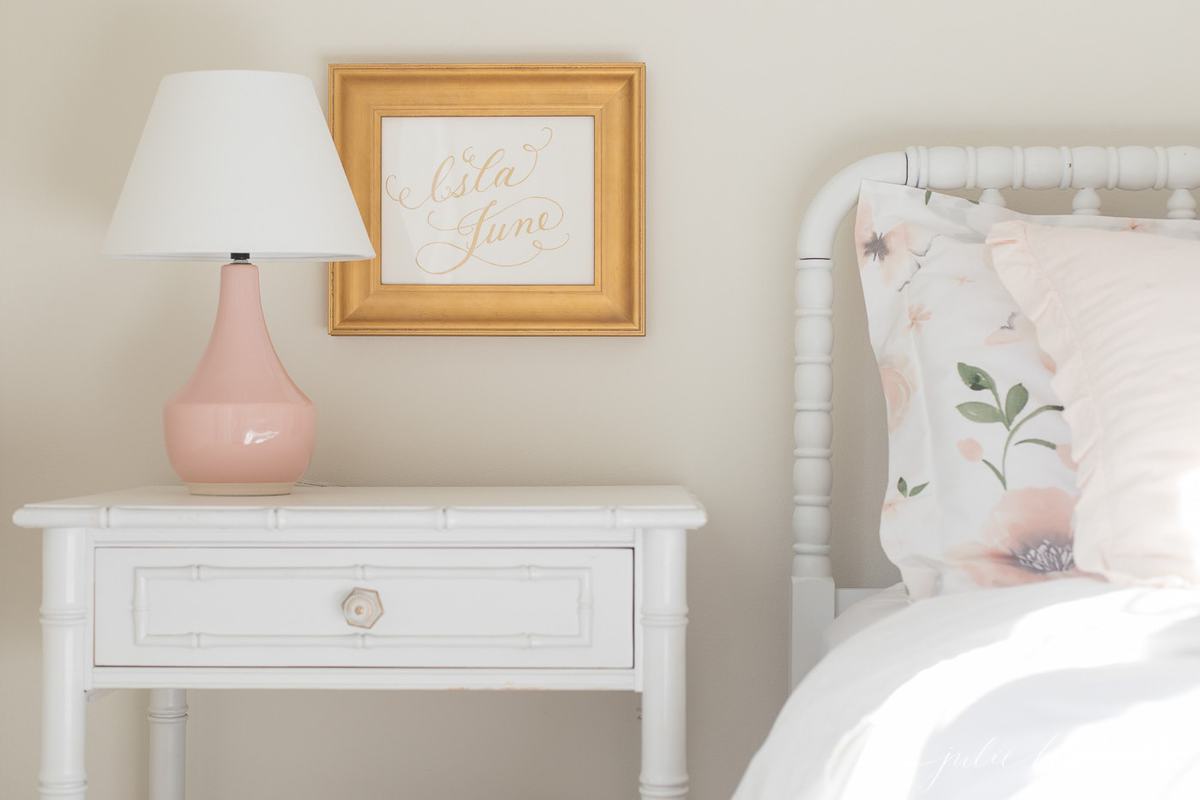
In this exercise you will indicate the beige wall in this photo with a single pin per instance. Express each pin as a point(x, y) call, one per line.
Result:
point(751, 105)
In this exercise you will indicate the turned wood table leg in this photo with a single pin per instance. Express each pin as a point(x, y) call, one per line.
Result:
point(64, 654)
point(167, 716)
point(664, 673)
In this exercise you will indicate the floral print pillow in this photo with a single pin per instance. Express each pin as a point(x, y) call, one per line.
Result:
point(981, 483)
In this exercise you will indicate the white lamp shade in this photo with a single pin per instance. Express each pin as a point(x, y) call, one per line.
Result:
point(237, 162)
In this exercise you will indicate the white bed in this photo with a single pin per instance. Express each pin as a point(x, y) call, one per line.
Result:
point(1062, 689)
point(1067, 688)
point(815, 599)
point(864, 612)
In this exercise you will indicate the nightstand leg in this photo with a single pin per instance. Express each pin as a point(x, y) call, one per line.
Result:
point(167, 716)
point(664, 673)
point(64, 654)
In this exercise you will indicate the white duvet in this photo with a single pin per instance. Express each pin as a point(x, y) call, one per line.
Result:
point(1065, 689)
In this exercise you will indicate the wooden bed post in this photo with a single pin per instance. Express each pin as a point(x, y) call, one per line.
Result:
point(812, 475)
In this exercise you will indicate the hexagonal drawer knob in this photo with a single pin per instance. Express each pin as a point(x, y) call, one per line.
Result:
point(362, 607)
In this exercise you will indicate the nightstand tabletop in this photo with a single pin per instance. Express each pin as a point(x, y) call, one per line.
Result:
point(439, 507)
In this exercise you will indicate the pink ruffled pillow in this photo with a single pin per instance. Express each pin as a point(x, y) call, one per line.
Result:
point(1120, 314)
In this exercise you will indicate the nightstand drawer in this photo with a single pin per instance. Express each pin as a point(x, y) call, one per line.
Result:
point(364, 607)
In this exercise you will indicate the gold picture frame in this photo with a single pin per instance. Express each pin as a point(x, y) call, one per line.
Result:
point(363, 96)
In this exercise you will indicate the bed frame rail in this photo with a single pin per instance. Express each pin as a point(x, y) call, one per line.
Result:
point(815, 601)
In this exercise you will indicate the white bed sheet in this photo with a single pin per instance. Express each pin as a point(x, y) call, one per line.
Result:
point(864, 613)
point(1063, 689)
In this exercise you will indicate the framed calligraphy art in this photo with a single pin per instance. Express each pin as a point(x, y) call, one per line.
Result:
point(501, 199)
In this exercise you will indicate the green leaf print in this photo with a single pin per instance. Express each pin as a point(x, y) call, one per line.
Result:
point(976, 379)
point(1014, 402)
point(902, 488)
point(980, 412)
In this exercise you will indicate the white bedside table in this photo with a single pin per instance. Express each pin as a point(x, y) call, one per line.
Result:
point(361, 588)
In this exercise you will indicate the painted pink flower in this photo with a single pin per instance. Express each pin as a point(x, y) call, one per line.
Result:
point(1018, 328)
point(1027, 538)
point(895, 374)
point(918, 315)
point(970, 449)
point(890, 251)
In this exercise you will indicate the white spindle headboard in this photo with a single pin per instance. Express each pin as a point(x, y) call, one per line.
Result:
point(815, 599)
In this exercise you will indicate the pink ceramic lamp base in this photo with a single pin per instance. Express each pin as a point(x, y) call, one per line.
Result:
point(240, 489)
point(240, 426)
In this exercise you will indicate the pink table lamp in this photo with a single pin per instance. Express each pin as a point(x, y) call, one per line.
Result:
point(235, 165)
